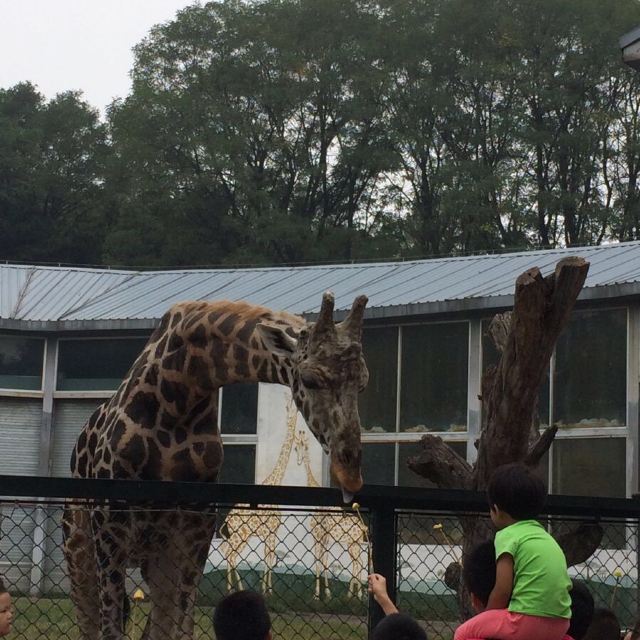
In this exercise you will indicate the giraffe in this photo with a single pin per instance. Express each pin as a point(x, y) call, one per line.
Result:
point(242, 523)
point(161, 424)
point(337, 525)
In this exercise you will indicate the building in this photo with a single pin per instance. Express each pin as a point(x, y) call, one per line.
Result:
point(68, 335)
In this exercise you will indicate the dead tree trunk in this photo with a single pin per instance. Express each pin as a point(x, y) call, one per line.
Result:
point(525, 338)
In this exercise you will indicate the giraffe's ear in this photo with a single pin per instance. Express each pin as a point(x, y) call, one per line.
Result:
point(277, 340)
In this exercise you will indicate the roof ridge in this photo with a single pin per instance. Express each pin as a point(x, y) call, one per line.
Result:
point(328, 265)
point(71, 294)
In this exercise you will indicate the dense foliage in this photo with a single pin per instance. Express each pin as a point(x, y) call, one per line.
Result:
point(296, 130)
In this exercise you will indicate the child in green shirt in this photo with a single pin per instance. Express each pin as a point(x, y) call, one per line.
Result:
point(530, 599)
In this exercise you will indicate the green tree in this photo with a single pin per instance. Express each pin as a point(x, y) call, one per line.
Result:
point(569, 63)
point(263, 124)
point(285, 131)
point(51, 154)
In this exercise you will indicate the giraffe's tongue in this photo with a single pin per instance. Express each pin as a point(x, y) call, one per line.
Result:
point(346, 496)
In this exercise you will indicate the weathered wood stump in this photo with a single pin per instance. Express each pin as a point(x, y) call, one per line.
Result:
point(525, 338)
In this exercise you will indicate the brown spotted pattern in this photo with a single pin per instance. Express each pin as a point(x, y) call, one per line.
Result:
point(161, 424)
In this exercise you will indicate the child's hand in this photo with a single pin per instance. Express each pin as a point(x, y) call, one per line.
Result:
point(377, 585)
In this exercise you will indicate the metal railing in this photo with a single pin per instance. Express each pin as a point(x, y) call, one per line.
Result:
point(300, 546)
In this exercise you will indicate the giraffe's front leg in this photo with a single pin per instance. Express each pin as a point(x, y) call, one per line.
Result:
point(355, 585)
point(229, 574)
point(233, 575)
point(327, 590)
point(173, 574)
point(228, 555)
point(195, 556)
point(270, 559)
point(239, 584)
point(111, 557)
point(80, 555)
point(163, 582)
point(325, 570)
point(318, 563)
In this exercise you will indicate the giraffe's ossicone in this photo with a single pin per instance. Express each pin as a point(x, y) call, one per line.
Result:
point(161, 424)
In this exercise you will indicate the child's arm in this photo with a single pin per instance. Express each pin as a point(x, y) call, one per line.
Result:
point(501, 594)
point(378, 588)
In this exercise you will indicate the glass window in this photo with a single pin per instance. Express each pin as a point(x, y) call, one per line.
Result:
point(95, 364)
point(406, 477)
point(590, 467)
point(434, 377)
point(239, 466)
point(543, 469)
point(490, 357)
point(21, 362)
point(239, 412)
point(379, 463)
point(377, 403)
point(590, 372)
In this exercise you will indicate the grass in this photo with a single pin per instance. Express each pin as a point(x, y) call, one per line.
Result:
point(295, 614)
point(47, 618)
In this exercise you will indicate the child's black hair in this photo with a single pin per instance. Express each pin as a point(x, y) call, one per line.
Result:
point(604, 626)
point(517, 490)
point(581, 610)
point(3, 589)
point(398, 626)
point(242, 616)
point(479, 571)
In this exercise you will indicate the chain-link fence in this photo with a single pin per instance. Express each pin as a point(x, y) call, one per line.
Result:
point(430, 547)
point(310, 561)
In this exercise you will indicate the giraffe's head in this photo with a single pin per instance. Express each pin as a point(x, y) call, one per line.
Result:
point(328, 372)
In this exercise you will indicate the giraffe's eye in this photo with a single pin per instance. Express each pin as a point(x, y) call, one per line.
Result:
point(311, 379)
point(352, 352)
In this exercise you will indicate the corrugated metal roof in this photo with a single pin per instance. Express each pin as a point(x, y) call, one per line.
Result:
point(69, 297)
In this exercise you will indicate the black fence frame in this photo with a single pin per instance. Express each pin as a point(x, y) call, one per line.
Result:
point(382, 504)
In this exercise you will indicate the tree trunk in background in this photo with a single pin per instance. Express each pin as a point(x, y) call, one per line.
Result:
point(525, 338)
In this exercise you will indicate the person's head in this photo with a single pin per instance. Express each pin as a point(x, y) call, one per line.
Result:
point(581, 610)
point(398, 626)
point(479, 574)
point(242, 616)
point(515, 492)
point(6, 611)
point(604, 626)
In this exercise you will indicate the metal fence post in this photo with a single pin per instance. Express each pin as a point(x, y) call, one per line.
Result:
point(384, 556)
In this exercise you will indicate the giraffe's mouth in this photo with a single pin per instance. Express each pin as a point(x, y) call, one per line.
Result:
point(350, 481)
point(347, 496)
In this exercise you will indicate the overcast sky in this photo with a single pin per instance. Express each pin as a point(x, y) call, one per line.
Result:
point(76, 44)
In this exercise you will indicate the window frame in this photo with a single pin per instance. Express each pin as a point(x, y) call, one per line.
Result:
point(398, 437)
point(85, 393)
point(240, 439)
point(27, 393)
point(627, 431)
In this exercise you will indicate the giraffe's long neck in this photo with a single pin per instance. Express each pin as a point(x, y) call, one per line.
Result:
point(277, 474)
point(200, 347)
point(225, 346)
